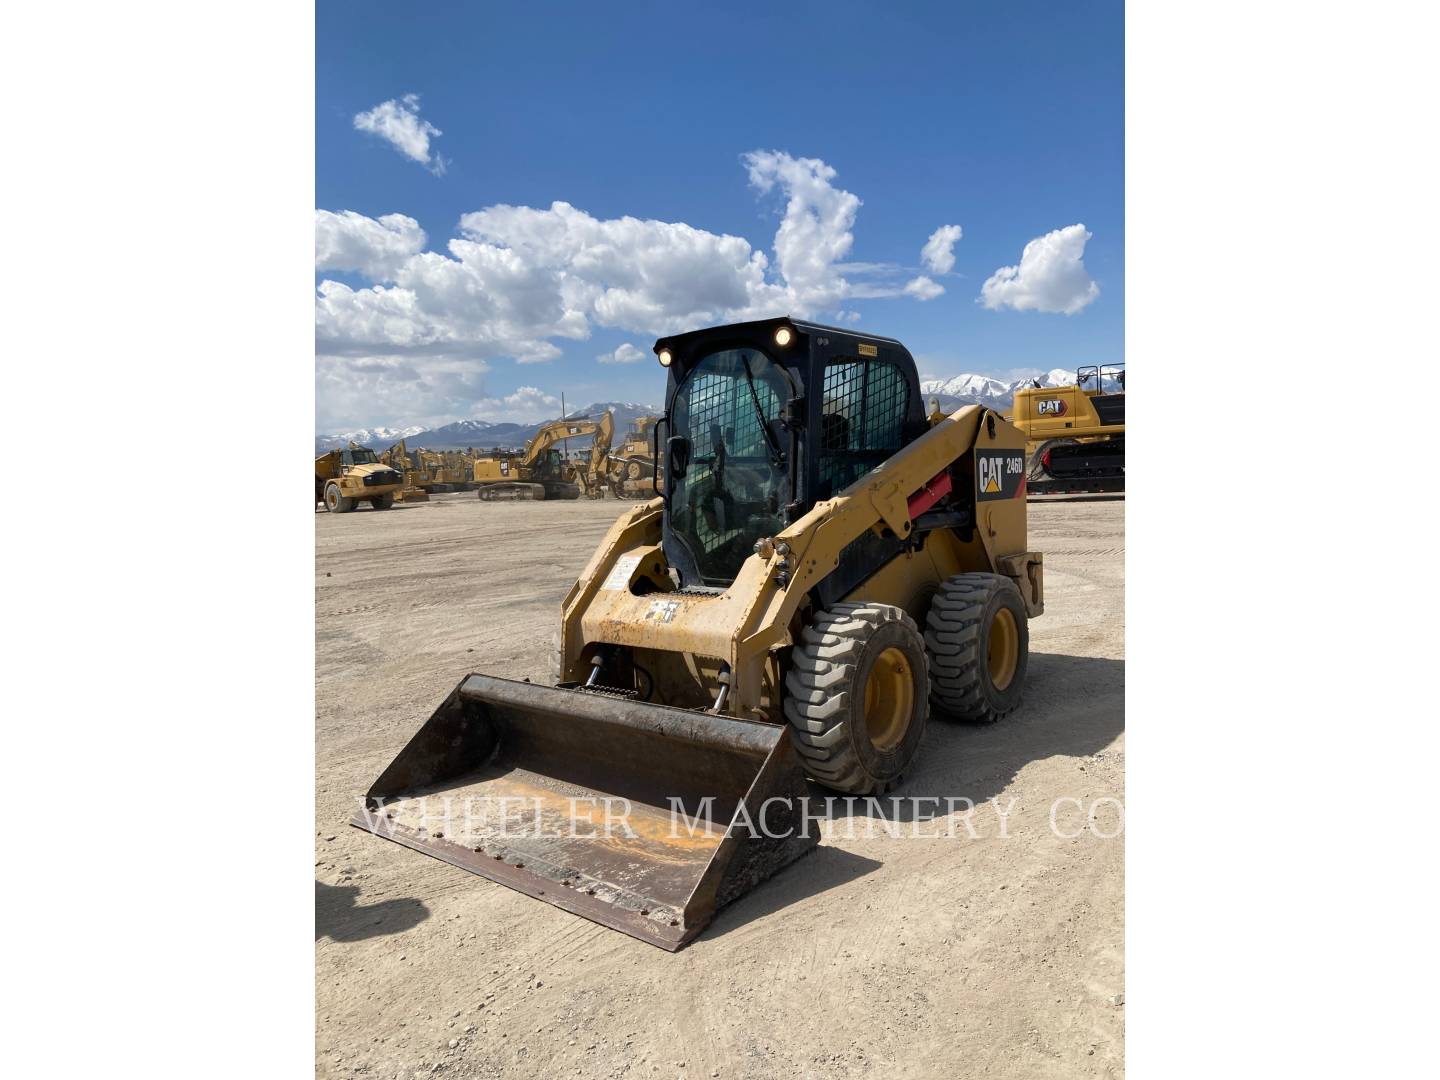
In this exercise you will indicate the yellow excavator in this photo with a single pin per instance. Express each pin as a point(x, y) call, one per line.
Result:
point(593, 475)
point(1075, 435)
point(826, 570)
point(540, 471)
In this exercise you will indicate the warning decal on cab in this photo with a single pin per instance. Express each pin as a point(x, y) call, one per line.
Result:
point(999, 474)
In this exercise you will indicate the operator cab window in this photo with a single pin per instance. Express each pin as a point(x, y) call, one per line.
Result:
point(737, 481)
point(359, 457)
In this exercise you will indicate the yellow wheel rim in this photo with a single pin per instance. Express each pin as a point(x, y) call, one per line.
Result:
point(332, 497)
point(1004, 651)
point(889, 699)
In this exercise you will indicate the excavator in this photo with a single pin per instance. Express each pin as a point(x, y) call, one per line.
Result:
point(593, 476)
point(1075, 435)
point(540, 471)
point(826, 570)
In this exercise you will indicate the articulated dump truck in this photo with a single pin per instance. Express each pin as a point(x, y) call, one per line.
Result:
point(345, 478)
point(827, 568)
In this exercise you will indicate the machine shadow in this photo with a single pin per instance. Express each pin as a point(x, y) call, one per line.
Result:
point(340, 918)
point(1074, 707)
point(822, 869)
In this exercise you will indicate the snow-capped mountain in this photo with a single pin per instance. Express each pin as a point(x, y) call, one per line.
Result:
point(383, 436)
point(983, 390)
point(484, 434)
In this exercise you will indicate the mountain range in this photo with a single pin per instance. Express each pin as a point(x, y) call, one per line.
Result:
point(982, 390)
point(483, 434)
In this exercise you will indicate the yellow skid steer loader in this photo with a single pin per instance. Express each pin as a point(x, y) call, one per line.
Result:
point(826, 567)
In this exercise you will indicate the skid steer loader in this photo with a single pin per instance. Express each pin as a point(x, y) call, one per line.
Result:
point(826, 567)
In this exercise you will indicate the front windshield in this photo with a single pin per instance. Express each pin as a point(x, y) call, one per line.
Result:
point(363, 457)
point(736, 486)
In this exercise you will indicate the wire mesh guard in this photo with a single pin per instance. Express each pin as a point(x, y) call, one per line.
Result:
point(862, 418)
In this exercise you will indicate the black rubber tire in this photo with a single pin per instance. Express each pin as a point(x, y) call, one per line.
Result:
point(825, 699)
point(957, 642)
point(335, 502)
point(383, 502)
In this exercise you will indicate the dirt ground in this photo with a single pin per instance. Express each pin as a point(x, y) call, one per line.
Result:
point(881, 955)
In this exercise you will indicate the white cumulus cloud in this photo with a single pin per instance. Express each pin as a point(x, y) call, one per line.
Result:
point(814, 234)
point(519, 279)
point(922, 288)
point(526, 405)
point(1051, 276)
point(938, 254)
point(376, 248)
point(622, 354)
point(400, 124)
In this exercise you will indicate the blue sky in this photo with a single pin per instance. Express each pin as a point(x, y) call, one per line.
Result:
point(1005, 119)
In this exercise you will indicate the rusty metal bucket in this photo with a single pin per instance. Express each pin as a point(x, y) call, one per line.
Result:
point(642, 817)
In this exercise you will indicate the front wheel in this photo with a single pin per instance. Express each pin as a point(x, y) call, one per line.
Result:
point(335, 502)
point(383, 502)
point(856, 696)
point(978, 642)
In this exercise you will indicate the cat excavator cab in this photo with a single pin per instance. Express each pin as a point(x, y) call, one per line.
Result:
point(1075, 435)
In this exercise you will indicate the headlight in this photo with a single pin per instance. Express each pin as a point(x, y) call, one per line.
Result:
point(665, 357)
point(783, 336)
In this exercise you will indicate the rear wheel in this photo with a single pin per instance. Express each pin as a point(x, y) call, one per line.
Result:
point(978, 643)
point(335, 502)
point(383, 502)
point(856, 696)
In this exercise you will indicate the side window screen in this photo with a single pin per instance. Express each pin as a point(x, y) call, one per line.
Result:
point(863, 410)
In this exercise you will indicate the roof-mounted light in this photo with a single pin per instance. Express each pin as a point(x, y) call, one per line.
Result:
point(665, 357)
point(783, 336)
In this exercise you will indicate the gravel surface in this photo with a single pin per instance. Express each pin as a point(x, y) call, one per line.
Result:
point(998, 954)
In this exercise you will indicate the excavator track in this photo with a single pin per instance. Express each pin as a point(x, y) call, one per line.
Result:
point(1070, 467)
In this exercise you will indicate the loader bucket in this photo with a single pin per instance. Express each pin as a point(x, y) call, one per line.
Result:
point(569, 797)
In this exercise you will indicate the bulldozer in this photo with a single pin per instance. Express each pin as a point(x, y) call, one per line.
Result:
point(825, 570)
point(344, 478)
point(446, 470)
point(631, 466)
point(540, 471)
point(1075, 435)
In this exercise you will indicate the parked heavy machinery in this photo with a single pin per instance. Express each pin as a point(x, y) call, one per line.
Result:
point(540, 471)
point(593, 474)
point(825, 569)
point(343, 478)
point(632, 464)
point(1075, 434)
point(446, 470)
point(413, 478)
